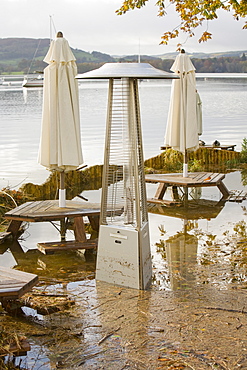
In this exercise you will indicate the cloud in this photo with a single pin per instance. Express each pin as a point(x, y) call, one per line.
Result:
point(93, 25)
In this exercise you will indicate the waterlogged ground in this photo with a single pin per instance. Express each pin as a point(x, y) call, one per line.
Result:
point(193, 317)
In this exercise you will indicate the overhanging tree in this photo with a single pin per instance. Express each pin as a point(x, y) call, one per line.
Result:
point(192, 13)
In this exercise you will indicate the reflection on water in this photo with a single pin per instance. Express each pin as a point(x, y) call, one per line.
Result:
point(64, 266)
point(181, 254)
point(196, 255)
point(76, 182)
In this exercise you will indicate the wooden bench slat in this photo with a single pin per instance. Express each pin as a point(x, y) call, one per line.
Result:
point(51, 247)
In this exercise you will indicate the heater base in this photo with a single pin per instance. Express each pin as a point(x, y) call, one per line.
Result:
point(124, 257)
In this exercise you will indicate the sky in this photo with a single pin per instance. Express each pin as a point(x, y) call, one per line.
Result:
point(92, 25)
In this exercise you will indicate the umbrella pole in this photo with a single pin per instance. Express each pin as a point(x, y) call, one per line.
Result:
point(185, 164)
point(62, 191)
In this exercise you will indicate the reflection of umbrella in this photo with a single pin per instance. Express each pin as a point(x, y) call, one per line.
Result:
point(60, 145)
point(181, 251)
point(182, 125)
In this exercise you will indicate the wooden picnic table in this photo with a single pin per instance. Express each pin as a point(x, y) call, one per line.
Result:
point(175, 180)
point(49, 210)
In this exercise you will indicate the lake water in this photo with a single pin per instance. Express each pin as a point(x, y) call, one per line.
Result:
point(224, 119)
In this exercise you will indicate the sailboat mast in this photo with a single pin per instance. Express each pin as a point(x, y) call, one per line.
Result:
point(52, 25)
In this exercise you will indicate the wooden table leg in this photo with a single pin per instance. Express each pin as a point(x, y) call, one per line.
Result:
point(63, 229)
point(160, 192)
point(221, 186)
point(175, 194)
point(94, 221)
point(14, 227)
point(79, 229)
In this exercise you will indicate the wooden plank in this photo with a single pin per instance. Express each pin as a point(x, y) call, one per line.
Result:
point(194, 179)
point(217, 177)
point(94, 222)
point(237, 196)
point(14, 283)
point(175, 194)
point(160, 192)
point(164, 202)
point(223, 189)
point(208, 177)
point(50, 210)
point(15, 274)
point(16, 210)
point(14, 227)
point(201, 176)
point(50, 248)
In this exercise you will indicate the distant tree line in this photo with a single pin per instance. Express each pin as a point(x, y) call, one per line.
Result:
point(209, 65)
point(84, 64)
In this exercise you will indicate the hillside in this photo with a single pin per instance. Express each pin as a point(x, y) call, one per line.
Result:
point(25, 55)
point(223, 54)
point(18, 54)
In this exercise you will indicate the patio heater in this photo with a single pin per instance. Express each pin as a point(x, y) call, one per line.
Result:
point(123, 255)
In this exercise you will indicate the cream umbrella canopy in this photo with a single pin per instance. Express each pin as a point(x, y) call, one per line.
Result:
point(60, 143)
point(182, 123)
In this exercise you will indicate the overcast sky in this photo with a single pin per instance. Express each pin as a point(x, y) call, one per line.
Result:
point(93, 25)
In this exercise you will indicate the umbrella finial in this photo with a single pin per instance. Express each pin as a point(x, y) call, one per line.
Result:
point(59, 34)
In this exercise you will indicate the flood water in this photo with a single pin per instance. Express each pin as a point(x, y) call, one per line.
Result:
point(224, 118)
point(207, 247)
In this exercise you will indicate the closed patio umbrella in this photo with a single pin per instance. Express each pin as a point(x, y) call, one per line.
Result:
point(182, 124)
point(60, 143)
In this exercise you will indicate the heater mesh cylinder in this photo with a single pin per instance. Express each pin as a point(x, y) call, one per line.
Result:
point(123, 187)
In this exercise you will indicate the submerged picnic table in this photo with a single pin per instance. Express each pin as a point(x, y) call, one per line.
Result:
point(49, 210)
point(14, 283)
point(175, 180)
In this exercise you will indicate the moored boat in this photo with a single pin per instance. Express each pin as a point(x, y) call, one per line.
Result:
point(33, 81)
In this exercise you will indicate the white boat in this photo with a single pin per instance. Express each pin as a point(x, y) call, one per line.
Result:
point(33, 81)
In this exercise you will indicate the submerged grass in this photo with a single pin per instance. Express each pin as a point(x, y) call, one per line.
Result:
point(203, 159)
point(10, 199)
